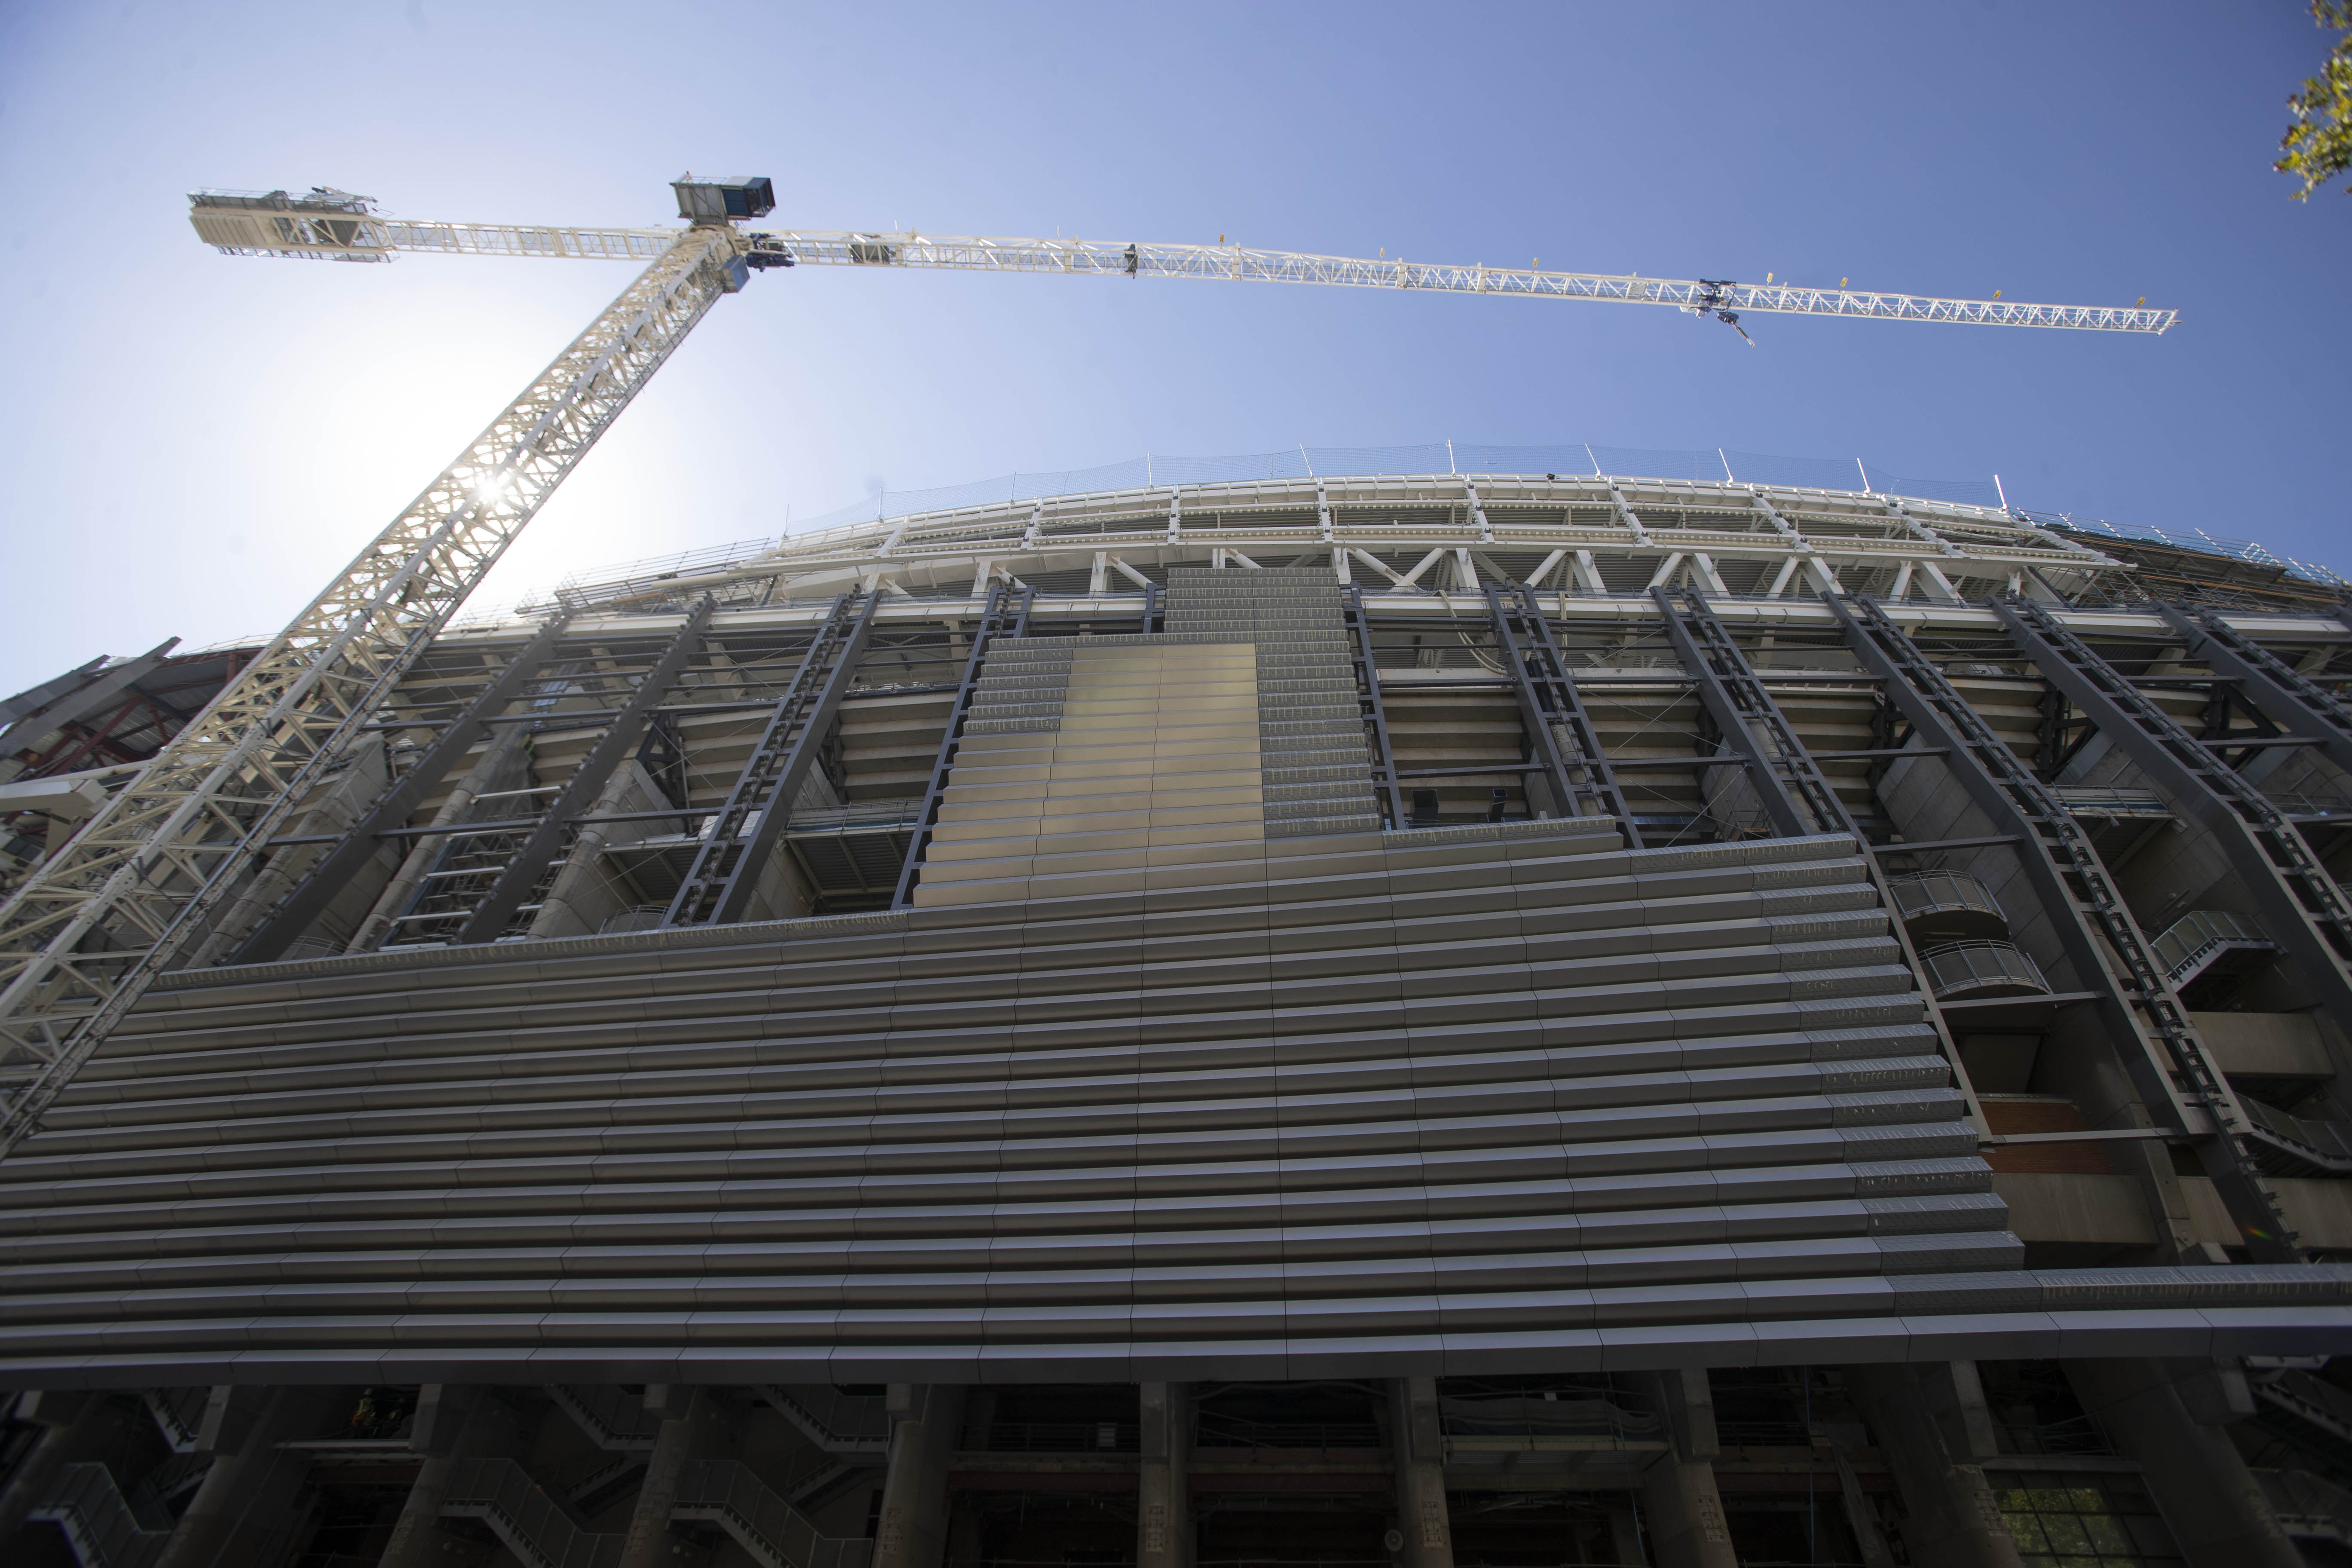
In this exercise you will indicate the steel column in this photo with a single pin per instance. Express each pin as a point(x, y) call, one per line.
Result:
point(1368, 681)
point(717, 889)
point(2093, 924)
point(490, 918)
point(2303, 907)
point(310, 897)
point(996, 620)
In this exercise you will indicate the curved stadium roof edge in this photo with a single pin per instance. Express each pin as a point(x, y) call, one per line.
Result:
point(1584, 531)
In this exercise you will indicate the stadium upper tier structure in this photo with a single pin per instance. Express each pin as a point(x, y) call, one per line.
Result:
point(1499, 1020)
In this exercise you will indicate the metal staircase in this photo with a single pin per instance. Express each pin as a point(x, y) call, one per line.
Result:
point(838, 1423)
point(2307, 1508)
point(613, 1417)
point(179, 1415)
point(2160, 1048)
point(2193, 945)
point(742, 839)
point(726, 1493)
point(2176, 760)
point(594, 1492)
point(99, 1523)
point(528, 1519)
point(2317, 1406)
point(1565, 746)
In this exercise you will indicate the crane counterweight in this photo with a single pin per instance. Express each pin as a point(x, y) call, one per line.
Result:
point(719, 202)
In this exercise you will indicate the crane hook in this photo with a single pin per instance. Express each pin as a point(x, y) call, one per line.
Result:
point(1715, 299)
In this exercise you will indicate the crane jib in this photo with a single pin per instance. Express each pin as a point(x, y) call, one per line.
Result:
point(333, 224)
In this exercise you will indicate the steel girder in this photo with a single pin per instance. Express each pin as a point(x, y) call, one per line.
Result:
point(1002, 616)
point(717, 886)
point(2303, 907)
point(1408, 515)
point(488, 920)
point(2281, 693)
point(1741, 705)
point(1736, 697)
point(1550, 710)
point(310, 897)
point(1376, 714)
point(2153, 1038)
point(79, 703)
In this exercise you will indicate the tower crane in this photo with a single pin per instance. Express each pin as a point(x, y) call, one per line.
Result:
point(134, 892)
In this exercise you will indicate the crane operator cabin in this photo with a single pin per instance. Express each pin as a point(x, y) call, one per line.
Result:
point(1449, 1007)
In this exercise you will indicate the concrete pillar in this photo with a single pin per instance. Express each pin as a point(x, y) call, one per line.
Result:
point(694, 1426)
point(1625, 1538)
point(80, 1426)
point(230, 1411)
point(578, 900)
point(1163, 1504)
point(1678, 1490)
point(1419, 1442)
point(453, 1422)
point(2170, 1417)
point(248, 1496)
point(925, 1421)
point(1859, 1517)
point(1921, 1416)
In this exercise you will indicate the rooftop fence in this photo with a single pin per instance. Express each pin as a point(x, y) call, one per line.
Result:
point(1709, 465)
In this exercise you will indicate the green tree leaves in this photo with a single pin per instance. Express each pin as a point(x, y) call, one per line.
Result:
point(2319, 145)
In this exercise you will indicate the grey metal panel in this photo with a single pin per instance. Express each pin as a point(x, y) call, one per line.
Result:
point(711, 1158)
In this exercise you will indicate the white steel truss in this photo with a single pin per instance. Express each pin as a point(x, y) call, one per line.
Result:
point(1573, 524)
point(1236, 263)
point(346, 227)
point(98, 919)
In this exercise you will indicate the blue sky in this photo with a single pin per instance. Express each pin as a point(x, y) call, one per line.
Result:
point(192, 444)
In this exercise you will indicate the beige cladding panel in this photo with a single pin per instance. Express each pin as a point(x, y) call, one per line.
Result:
point(1155, 762)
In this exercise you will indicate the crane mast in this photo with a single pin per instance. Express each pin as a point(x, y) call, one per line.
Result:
point(134, 892)
point(99, 919)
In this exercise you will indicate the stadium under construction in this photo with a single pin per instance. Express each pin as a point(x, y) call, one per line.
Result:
point(1495, 1020)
